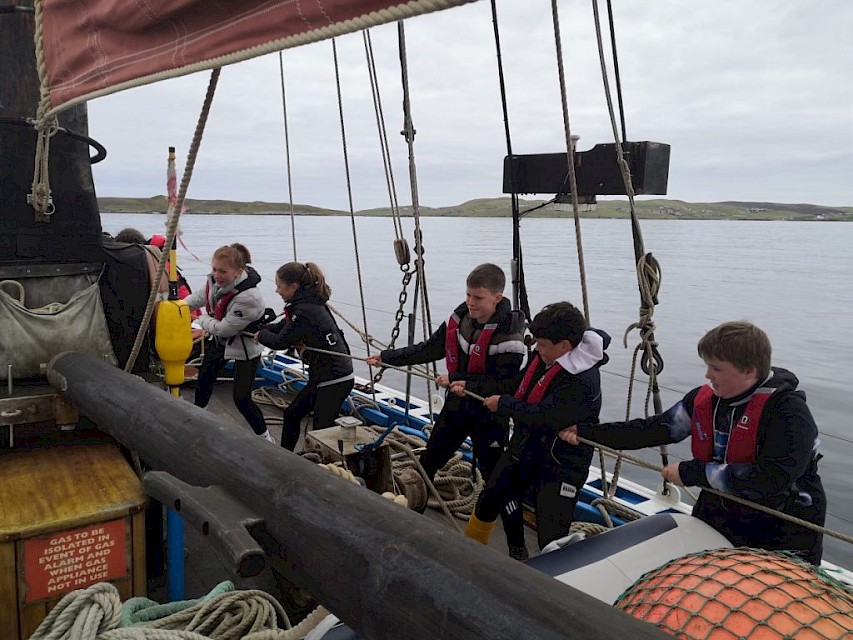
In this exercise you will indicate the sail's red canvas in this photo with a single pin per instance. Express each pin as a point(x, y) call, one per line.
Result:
point(96, 47)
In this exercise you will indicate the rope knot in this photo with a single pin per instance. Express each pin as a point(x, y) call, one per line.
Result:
point(40, 198)
point(83, 613)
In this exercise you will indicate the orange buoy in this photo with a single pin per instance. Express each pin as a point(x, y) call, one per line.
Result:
point(728, 594)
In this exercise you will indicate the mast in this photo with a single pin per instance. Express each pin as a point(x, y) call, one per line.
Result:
point(72, 234)
point(19, 88)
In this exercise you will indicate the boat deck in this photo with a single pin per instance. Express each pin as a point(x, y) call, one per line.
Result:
point(204, 570)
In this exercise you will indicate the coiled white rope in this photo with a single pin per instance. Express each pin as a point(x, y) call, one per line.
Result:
point(95, 614)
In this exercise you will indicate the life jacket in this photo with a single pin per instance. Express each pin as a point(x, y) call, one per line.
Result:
point(741, 446)
point(541, 386)
point(477, 352)
point(218, 311)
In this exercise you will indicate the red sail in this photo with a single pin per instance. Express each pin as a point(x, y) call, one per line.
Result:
point(96, 47)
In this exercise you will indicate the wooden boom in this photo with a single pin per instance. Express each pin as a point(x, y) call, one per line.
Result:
point(387, 572)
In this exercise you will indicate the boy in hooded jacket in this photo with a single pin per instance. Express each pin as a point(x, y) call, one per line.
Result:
point(752, 435)
point(561, 384)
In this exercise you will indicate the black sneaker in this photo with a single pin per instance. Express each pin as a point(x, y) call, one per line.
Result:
point(519, 553)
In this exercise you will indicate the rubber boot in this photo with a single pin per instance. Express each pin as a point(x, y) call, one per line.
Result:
point(479, 530)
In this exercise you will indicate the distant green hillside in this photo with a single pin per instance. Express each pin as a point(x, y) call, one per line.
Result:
point(500, 207)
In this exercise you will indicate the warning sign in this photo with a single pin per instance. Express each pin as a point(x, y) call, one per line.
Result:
point(74, 559)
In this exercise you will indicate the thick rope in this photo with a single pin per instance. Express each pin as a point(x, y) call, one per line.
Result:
point(451, 491)
point(96, 613)
point(46, 125)
point(82, 614)
point(573, 190)
point(174, 216)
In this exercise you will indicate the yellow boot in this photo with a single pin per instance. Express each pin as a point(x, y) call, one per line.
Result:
point(479, 530)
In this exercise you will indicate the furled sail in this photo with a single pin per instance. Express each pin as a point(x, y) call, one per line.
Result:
point(92, 48)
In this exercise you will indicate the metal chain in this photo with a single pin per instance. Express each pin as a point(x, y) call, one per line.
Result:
point(398, 317)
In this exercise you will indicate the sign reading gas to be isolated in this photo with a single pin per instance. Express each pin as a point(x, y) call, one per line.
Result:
point(74, 559)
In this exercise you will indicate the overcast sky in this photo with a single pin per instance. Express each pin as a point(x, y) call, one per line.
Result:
point(756, 99)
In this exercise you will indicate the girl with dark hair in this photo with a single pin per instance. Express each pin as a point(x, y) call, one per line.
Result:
point(233, 302)
point(309, 323)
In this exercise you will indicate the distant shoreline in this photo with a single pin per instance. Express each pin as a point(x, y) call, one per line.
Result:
point(660, 209)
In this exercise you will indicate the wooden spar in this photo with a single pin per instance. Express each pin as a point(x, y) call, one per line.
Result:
point(385, 571)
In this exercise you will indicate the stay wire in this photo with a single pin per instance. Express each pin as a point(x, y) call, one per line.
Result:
point(616, 74)
point(287, 152)
point(409, 134)
point(520, 300)
point(400, 245)
point(383, 134)
point(349, 190)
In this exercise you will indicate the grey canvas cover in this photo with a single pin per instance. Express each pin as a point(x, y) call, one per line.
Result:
point(30, 337)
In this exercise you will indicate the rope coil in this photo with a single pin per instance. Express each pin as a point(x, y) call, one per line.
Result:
point(96, 613)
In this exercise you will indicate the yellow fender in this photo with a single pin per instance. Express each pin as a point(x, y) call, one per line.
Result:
point(173, 339)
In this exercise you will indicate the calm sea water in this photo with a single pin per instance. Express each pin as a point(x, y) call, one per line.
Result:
point(795, 280)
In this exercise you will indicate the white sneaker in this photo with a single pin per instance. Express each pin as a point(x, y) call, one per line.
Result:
point(266, 435)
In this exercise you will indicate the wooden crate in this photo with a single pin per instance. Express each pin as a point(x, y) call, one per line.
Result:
point(71, 515)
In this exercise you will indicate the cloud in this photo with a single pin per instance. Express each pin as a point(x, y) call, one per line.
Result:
point(753, 97)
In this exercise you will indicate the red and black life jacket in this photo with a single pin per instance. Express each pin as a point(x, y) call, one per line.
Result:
point(541, 385)
point(477, 352)
point(742, 439)
point(219, 310)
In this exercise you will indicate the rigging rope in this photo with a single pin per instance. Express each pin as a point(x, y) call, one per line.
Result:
point(174, 215)
point(400, 245)
point(570, 155)
point(349, 188)
point(727, 496)
point(647, 268)
point(287, 152)
point(616, 74)
point(427, 376)
point(390, 184)
point(520, 300)
point(452, 490)
point(573, 190)
point(46, 126)
point(408, 133)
